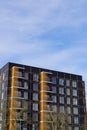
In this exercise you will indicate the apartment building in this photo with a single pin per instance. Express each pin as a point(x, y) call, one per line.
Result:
point(28, 94)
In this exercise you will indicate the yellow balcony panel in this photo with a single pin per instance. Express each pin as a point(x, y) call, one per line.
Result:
point(43, 126)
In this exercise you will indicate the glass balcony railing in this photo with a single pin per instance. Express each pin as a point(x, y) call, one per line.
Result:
point(20, 85)
point(20, 74)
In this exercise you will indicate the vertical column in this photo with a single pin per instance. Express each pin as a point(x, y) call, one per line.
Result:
point(43, 124)
point(12, 100)
point(45, 80)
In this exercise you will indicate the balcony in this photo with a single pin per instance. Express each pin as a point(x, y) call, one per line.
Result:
point(49, 89)
point(18, 72)
point(46, 77)
point(20, 85)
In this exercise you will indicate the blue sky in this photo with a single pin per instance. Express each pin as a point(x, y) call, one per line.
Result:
point(45, 33)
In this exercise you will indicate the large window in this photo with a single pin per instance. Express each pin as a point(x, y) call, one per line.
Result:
point(76, 128)
point(68, 91)
point(61, 100)
point(54, 90)
point(68, 100)
point(74, 84)
point(17, 104)
point(35, 116)
point(76, 120)
point(61, 108)
point(35, 96)
point(35, 106)
point(61, 90)
point(54, 108)
point(26, 75)
point(25, 116)
point(51, 98)
point(74, 92)
point(34, 126)
point(35, 77)
point(24, 128)
point(70, 128)
point(26, 95)
point(0, 126)
point(25, 85)
point(54, 80)
point(3, 76)
point(54, 98)
point(25, 104)
point(61, 81)
point(2, 95)
point(75, 110)
point(67, 83)
point(0, 116)
point(75, 101)
point(68, 110)
point(35, 86)
point(69, 119)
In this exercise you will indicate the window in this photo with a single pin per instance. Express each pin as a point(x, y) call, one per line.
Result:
point(68, 91)
point(26, 75)
point(68, 110)
point(67, 83)
point(3, 76)
point(70, 128)
point(17, 93)
point(61, 81)
point(0, 116)
point(68, 100)
point(54, 108)
point(25, 115)
point(18, 126)
point(2, 95)
point(35, 96)
point(49, 126)
point(54, 99)
point(24, 128)
point(74, 84)
point(3, 86)
point(76, 121)
point(35, 106)
point(26, 95)
point(35, 86)
point(76, 128)
point(54, 80)
point(74, 92)
point(61, 108)
point(61, 90)
point(17, 104)
point(75, 110)
point(35, 77)
point(75, 101)
point(34, 126)
point(54, 90)
point(18, 83)
point(61, 100)
point(69, 119)
point(2, 105)
point(35, 116)
point(25, 85)
point(0, 126)
point(25, 104)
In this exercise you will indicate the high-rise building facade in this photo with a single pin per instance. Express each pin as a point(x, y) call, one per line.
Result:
point(28, 94)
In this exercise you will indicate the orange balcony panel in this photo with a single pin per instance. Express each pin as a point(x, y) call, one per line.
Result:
point(43, 126)
point(43, 96)
point(43, 106)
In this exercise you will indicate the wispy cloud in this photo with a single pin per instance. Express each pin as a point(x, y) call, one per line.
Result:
point(45, 33)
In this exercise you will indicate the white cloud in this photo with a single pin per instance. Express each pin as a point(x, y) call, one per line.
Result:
point(22, 22)
point(39, 17)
